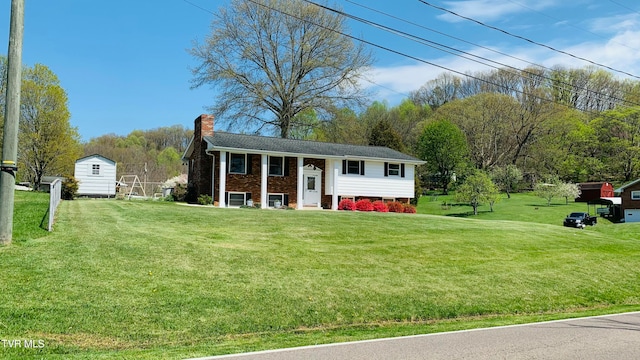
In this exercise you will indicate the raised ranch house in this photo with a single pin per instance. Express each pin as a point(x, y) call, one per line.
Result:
point(630, 195)
point(236, 169)
point(96, 176)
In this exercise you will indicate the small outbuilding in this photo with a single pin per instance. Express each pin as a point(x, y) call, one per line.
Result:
point(594, 190)
point(630, 194)
point(96, 176)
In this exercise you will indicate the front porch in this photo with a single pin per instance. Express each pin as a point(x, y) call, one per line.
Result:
point(264, 179)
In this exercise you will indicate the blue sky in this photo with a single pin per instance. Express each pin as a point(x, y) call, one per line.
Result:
point(125, 65)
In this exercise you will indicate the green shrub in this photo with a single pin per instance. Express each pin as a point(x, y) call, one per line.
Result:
point(205, 200)
point(179, 192)
point(69, 188)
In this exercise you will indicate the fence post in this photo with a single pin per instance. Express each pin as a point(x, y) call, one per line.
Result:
point(55, 194)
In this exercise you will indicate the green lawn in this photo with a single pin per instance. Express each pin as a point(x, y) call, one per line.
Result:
point(31, 215)
point(119, 279)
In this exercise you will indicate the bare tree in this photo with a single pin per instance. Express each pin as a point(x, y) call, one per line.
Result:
point(270, 60)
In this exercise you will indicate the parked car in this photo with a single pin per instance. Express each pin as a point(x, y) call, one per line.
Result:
point(580, 220)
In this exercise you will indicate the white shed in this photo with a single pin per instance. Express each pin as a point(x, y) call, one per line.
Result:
point(96, 176)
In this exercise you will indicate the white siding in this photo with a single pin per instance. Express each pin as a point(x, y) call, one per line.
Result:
point(89, 184)
point(373, 183)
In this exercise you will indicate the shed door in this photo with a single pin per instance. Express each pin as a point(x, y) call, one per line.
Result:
point(631, 215)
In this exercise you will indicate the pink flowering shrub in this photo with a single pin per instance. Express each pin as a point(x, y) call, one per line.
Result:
point(346, 204)
point(409, 209)
point(364, 205)
point(380, 206)
point(396, 207)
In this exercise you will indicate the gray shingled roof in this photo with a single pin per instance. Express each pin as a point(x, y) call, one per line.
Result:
point(305, 147)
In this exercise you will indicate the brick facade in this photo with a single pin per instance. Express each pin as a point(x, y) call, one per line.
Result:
point(205, 168)
point(200, 163)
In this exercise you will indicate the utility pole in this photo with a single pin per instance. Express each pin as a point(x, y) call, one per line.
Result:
point(9, 157)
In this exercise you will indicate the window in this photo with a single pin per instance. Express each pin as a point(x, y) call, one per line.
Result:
point(353, 167)
point(635, 195)
point(276, 165)
point(276, 197)
point(394, 169)
point(236, 199)
point(237, 164)
point(311, 183)
point(95, 169)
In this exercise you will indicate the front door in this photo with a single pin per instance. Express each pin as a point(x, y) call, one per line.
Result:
point(312, 185)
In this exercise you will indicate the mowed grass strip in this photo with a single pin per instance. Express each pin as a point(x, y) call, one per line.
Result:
point(136, 279)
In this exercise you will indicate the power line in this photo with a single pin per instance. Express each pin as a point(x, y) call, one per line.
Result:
point(199, 7)
point(367, 80)
point(527, 40)
point(404, 54)
point(624, 6)
point(453, 51)
point(567, 23)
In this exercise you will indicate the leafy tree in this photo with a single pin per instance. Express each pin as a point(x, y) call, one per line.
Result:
point(547, 190)
point(277, 58)
point(48, 144)
point(568, 190)
point(476, 189)
point(485, 120)
point(507, 178)
point(443, 146)
point(618, 135)
point(383, 134)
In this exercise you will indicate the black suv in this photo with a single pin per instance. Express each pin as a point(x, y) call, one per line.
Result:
point(579, 220)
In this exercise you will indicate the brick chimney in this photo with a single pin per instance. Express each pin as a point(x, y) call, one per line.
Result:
point(200, 163)
point(203, 126)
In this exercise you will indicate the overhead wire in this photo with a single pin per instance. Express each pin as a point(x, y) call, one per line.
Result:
point(435, 45)
point(624, 6)
point(404, 54)
point(568, 24)
point(527, 39)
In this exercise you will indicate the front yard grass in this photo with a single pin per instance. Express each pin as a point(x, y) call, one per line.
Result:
point(126, 279)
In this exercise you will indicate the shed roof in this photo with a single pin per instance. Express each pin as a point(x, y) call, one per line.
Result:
point(96, 155)
point(225, 140)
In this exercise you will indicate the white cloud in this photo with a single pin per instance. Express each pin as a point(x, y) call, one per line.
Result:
point(486, 10)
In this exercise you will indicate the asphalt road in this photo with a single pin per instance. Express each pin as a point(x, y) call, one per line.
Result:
point(602, 337)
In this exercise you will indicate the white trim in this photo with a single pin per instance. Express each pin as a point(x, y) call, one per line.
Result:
point(282, 166)
point(276, 194)
point(264, 169)
point(389, 169)
point(300, 189)
point(245, 163)
point(359, 162)
point(334, 187)
point(244, 198)
point(635, 192)
point(93, 166)
point(313, 156)
point(317, 173)
point(222, 201)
